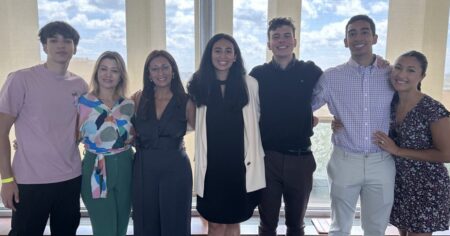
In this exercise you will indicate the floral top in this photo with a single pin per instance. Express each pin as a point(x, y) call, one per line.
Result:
point(104, 130)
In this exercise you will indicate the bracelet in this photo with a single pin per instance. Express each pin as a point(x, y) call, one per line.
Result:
point(7, 180)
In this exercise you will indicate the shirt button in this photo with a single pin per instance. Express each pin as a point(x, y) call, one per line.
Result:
point(365, 109)
point(366, 124)
point(248, 163)
point(366, 138)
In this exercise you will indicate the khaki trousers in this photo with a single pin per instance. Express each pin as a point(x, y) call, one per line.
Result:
point(368, 176)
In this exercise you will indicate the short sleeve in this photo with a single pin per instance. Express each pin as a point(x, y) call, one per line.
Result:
point(12, 95)
point(436, 111)
point(83, 111)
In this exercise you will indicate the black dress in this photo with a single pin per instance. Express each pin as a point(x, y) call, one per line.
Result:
point(225, 199)
point(162, 181)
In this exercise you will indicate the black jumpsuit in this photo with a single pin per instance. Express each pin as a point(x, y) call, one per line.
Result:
point(162, 181)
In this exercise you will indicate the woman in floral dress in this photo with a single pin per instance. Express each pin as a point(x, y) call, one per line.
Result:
point(419, 139)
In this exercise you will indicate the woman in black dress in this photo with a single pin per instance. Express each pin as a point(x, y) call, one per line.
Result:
point(162, 182)
point(419, 140)
point(229, 164)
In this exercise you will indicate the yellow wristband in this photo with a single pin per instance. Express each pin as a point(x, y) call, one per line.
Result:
point(7, 180)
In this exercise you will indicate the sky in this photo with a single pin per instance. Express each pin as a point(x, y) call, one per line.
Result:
point(101, 24)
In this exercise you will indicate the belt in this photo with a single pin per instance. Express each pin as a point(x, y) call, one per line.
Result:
point(296, 152)
point(161, 144)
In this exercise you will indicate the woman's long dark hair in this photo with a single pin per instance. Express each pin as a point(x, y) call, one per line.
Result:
point(199, 87)
point(148, 94)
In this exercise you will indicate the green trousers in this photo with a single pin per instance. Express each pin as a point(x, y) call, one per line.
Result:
point(109, 216)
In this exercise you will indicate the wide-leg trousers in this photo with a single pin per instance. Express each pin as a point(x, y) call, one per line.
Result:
point(109, 216)
point(162, 193)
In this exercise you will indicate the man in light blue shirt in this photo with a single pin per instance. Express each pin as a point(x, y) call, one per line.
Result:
point(358, 93)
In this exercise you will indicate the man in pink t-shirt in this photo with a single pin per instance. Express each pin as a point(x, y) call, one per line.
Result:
point(44, 179)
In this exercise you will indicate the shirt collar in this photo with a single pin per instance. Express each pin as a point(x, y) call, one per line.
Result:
point(291, 63)
point(353, 63)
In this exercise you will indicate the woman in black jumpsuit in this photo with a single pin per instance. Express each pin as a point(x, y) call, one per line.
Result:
point(162, 183)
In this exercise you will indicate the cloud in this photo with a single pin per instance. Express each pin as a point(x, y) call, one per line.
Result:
point(110, 3)
point(180, 4)
point(329, 34)
point(251, 5)
point(115, 19)
point(86, 6)
point(312, 8)
point(180, 22)
point(48, 6)
point(180, 34)
point(249, 30)
point(382, 35)
point(350, 8)
point(378, 7)
point(51, 10)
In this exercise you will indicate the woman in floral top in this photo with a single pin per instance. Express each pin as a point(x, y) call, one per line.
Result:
point(419, 140)
point(106, 132)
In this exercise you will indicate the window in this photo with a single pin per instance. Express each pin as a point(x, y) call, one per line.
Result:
point(249, 30)
point(101, 25)
point(181, 45)
point(180, 35)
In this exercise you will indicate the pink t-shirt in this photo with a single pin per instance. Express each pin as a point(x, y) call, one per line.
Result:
point(44, 105)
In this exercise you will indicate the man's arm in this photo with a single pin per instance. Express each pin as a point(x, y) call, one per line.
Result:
point(319, 96)
point(9, 191)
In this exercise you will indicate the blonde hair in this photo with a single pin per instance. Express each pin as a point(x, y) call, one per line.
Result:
point(121, 88)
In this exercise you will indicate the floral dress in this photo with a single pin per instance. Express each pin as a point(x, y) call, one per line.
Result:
point(422, 188)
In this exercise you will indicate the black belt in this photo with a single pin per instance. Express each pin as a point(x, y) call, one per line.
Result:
point(296, 152)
